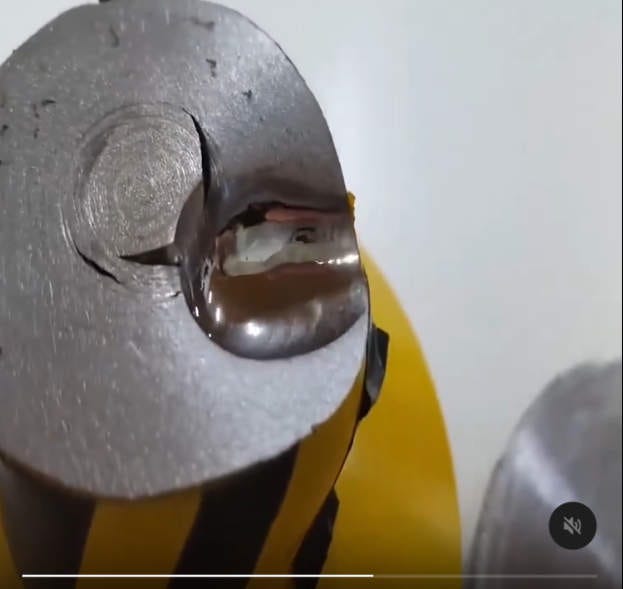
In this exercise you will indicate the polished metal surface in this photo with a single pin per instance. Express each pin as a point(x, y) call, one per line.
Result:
point(287, 284)
point(113, 116)
point(567, 448)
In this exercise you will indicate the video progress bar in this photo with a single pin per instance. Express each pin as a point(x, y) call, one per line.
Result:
point(328, 576)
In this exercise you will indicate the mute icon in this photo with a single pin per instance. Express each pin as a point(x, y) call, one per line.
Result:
point(572, 525)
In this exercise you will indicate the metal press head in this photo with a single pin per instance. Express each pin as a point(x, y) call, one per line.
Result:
point(564, 454)
point(181, 294)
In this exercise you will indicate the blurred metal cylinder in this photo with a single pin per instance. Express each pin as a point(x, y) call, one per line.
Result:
point(567, 447)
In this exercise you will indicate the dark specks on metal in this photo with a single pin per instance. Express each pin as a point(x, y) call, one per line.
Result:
point(115, 40)
point(205, 24)
point(212, 64)
point(104, 220)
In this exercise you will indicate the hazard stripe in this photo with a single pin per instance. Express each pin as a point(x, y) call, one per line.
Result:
point(256, 520)
point(318, 462)
point(233, 521)
point(139, 537)
point(313, 552)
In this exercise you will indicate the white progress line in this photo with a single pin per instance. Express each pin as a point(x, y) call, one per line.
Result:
point(150, 576)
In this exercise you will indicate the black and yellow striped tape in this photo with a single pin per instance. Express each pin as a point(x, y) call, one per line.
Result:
point(255, 521)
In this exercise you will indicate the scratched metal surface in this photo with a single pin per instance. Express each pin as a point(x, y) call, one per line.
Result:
point(107, 384)
point(566, 448)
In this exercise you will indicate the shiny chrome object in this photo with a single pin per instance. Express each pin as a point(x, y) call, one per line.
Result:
point(285, 282)
point(567, 448)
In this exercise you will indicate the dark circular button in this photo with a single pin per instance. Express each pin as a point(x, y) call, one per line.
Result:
point(572, 525)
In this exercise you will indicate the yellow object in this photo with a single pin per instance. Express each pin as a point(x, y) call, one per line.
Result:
point(317, 466)
point(138, 537)
point(399, 511)
point(351, 201)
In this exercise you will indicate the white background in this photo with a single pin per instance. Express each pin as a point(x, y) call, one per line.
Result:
point(483, 140)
